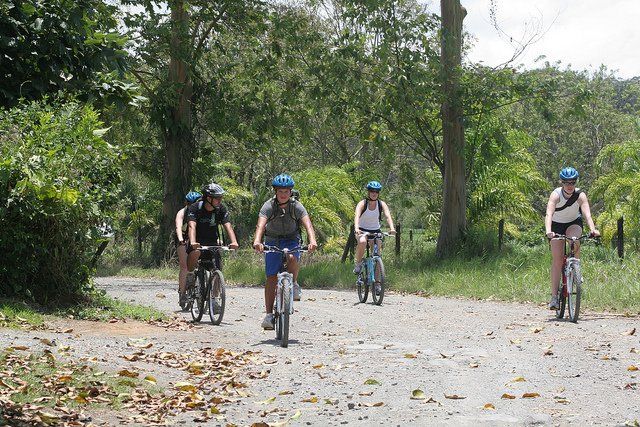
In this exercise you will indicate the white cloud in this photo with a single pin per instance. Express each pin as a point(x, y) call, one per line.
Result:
point(583, 33)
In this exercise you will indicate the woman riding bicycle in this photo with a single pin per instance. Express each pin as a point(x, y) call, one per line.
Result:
point(565, 209)
point(181, 244)
point(279, 222)
point(367, 219)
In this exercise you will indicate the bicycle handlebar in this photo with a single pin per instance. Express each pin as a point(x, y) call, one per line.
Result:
point(211, 248)
point(275, 249)
point(564, 237)
point(372, 236)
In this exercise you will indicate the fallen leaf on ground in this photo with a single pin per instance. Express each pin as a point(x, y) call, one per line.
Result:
point(161, 296)
point(285, 392)
point(185, 386)
point(530, 395)
point(515, 341)
point(629, 332)
point(410, 356)
point(318, 366)
point(365, 393)
point(371, 381)
point(371, 405)
point(536, 329)
point(632, 368)
point(128, 373)
point(489, 406)
point(634, 350)
point(454, 396)
point(67, 331)
point(151, 379)
point(517, 380)
point(418, 394)
point(48, 342)
point(507, 396)
point(473, 365)
point(296, 415)
point(267, 401)
point(313, 399)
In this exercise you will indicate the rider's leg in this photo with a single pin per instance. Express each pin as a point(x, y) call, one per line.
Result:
point(293, 267)
point(192, 259)
point(362, 244)
point(557, 255)
point(270, 293)
point(575, 231)
point(182, 276)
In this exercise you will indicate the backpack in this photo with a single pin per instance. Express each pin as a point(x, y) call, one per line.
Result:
point(366, 206)
point(292, 209)
point(570, 201)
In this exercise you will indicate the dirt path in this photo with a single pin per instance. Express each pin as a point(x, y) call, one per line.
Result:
point(345, 359)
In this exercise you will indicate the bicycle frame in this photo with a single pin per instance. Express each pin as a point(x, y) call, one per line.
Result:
point(371, 259)
point(569, 257)
point(285, 279)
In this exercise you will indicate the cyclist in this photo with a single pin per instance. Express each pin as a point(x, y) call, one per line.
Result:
point(279, 222)
point(565, 209)
point(181, 243)
point(368, 218)
point(204, 218)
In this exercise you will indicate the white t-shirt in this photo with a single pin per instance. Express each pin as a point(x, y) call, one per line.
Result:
point(570, 213)
point(370, 219)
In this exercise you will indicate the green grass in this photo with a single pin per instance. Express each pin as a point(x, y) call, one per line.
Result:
point(96, 306)
point(517, 273)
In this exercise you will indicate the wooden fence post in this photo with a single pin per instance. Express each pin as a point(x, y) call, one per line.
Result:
point(398, 228)
point(500, 233)
point(349, 247)
point(411, 234)
point(621, 237)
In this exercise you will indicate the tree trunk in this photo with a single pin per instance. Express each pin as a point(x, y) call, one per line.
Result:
point(453, 221)
point(177, 126)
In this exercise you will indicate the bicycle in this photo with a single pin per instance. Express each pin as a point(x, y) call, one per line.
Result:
point(283, 308)
point(570, 289)
point(209, 287)
point(372, 271)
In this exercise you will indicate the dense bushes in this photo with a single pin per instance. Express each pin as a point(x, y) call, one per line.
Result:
point(57, 183)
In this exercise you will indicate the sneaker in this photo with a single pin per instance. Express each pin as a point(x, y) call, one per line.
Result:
point(297, 292)
point(553, 304)
point(268, 322)
point(358, 268)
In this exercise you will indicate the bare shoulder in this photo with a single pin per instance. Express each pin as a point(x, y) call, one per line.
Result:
point(554, 197)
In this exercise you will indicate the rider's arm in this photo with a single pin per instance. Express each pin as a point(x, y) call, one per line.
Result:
point(232, 235)
point(311, 234)
point(586, 212)
point(387, 215)
point(551, 208)
point(192, 232)
point(179, 222)
point(356, 218)
point(260, 226)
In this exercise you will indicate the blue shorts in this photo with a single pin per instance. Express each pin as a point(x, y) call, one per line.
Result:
point(273, 261)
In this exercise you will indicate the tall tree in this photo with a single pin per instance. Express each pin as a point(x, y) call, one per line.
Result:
point(453, 221)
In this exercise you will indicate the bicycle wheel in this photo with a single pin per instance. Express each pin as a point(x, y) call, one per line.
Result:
point(197, 307)
point(217, 297)
point(284, 316)
point(362, 285)
point(377, 290)
point(574, 288)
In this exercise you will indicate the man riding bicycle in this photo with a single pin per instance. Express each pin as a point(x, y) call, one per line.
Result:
point(279, 222)
point(181, 242)
point(566, 207)
point(367, 219)
point(204, 217)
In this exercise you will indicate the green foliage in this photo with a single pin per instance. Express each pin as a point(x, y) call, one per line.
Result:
point(330, 196)
point(57, 45)
point(58, 179)
point(619, 187)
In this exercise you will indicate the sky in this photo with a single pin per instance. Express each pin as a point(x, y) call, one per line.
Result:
point(583, 33)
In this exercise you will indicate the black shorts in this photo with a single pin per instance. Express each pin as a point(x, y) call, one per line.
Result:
point(561, 227)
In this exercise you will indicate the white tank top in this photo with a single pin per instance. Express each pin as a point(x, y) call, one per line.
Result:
point(568, 214)
point(370, 219)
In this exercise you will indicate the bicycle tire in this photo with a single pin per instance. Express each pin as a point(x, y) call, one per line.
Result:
point(217, 297)
point(573, 298)
point(362, 285)
point(379, 276)
point(197, 307)
point(284, 316)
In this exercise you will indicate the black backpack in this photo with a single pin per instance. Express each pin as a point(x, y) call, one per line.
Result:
point(292, 210)
point(366, 205)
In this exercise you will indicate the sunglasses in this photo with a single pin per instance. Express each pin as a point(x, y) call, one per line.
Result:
point(374, 191)
point(569, 182)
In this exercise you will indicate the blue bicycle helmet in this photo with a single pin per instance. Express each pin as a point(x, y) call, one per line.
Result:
point(283, 181)
point(192, 196)
point(568, 173)
point(374, 186)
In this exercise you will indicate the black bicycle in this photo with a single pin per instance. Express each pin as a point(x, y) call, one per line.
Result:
point(283, 307)
point(209, 290)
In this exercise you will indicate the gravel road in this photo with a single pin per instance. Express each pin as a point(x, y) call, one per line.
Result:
point(359, 364)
